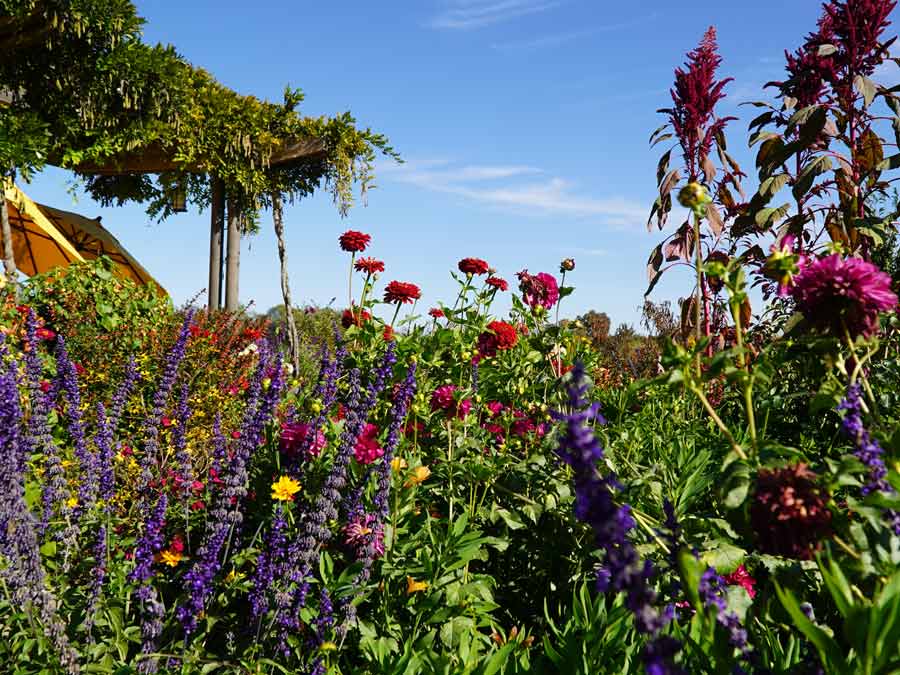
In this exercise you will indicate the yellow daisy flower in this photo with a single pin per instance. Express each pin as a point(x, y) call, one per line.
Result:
point(171, 558)
point(419, 474)
point(72, 502)
point(398, 463)
point(285, 488)
point(413, 586)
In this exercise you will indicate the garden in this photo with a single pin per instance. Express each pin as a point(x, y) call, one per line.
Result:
point(397, 488)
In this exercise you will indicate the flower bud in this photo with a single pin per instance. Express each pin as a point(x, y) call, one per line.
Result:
point(567, 265)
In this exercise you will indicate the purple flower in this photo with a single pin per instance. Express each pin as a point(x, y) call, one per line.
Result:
point(23, 573)
point(268, 565)
point(836, 293)
point(87, 458)
point(179, 441)
point(868, 450)
point(622, 569)
point(228, 501)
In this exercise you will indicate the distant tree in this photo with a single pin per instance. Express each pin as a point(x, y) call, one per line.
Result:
point(595, 326)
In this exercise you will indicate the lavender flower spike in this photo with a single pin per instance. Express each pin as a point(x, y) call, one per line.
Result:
point(868, 450)
point(622, 569)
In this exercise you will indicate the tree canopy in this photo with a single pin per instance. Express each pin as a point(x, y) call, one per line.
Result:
point(81, 89)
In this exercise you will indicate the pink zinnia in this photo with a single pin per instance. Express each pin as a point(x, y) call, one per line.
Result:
point(835, 293)
point(443, 399)
point(367, 449)
point(364, 531)
point(538, 290)
point(741, 577)
point(293, 440)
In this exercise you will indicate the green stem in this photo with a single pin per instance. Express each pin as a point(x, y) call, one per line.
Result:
point(719, 423)
point(699, 295)
point(450, 470)
point(744, 364)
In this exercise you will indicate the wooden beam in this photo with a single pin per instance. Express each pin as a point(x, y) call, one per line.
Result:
point(156, 159)
point(216, 235)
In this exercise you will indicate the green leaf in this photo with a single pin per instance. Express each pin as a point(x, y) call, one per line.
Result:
point(866, 88)
point(831, 653)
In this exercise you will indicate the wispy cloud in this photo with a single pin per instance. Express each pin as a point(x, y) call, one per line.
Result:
point(556, 39)
point(468, 14)
point(515, 188)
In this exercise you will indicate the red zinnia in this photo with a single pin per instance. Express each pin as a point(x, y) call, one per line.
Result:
point(401, 292)
point(497, 283)
point(355, 317)
point(44, 334)
point(499, 336)
point(473, 266)
point(388, 333)
point(354, 242)
point(369, 265)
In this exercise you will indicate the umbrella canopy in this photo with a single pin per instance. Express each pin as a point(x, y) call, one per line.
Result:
point(37, 244)
point(85, 237)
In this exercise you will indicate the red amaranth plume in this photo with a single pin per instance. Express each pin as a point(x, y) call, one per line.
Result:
point(695, 95)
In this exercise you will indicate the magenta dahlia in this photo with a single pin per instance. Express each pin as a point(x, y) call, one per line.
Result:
point(835, 293)
point(538, 290)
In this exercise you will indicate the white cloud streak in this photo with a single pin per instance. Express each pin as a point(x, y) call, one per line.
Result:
point(469, 14)
point(515, 188)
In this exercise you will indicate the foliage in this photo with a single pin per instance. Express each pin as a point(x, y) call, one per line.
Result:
point(85, 89)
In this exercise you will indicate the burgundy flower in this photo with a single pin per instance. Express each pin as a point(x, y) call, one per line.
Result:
point(401, 292)
point(539, 290)
point(369, 265)
point(789, 512)
point(694, 96)
point(835, 292)
point(498, 283)
point(473, 266)
point(354, 242)
point(363, 530)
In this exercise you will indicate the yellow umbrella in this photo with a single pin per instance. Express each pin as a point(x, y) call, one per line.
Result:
point(85, 237)
point(37, 245)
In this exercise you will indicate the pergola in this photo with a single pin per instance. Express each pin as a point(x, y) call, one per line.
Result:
point(224, 259)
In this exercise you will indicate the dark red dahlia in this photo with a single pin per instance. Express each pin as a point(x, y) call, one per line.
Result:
point(401, 292)
point(473, 266)
point(835, 292)
point(369, 265)
point(498, 336)
point(789, 512)
point(354, 242)
point(355, 317)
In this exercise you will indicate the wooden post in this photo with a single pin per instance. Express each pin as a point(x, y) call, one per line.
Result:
point(9, 258)
point(216, 236)
point(293, 339)
point(233, 264)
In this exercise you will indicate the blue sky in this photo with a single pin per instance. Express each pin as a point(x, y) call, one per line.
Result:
point(523, 123)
